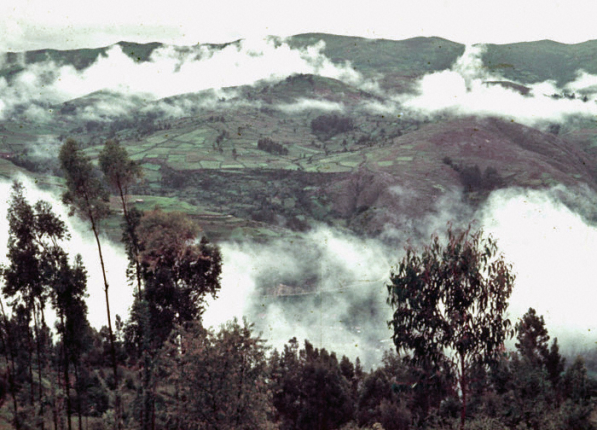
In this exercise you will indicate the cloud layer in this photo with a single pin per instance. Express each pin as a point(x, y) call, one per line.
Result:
point(550, 246)
point(337, 280)
point(469, 88)
point(552, 249)
point(329, 286)
point(169, 72)
point(116, 84)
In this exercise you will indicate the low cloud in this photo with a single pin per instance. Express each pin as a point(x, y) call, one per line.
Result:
point(448, 209)
point(389, 106)
point(469, 88)
point(552, 249)
point(328, 287)
point(302, 105)
point(170, 71)
point(45, 148)
point(584, 83)
point(189, 104)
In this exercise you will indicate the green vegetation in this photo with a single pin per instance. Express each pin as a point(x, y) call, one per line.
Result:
point(327, 126)
point(449, 306)
point(540, 61)
point(268, 145)
point(475, 181)
point(86, 194)
point(412, 56)
point(205, 167)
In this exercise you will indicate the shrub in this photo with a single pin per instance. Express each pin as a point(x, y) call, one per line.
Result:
point(327, 126)
point(268, 145)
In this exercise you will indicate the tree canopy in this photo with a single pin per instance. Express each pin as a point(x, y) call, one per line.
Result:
point(85, 190)
point(179, 271)
point(449, 302)
point(120, 171)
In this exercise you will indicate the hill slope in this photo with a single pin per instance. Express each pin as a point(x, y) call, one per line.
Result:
point(282, 153)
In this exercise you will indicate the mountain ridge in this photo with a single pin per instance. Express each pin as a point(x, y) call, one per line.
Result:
point(425, 59)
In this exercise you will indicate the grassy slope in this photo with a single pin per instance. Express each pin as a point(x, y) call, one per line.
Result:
point(417, 55)
point(539, 61)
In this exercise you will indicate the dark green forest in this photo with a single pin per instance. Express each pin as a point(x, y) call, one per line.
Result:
point(160, 368)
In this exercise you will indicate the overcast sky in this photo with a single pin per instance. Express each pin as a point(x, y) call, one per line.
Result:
point(35, 24)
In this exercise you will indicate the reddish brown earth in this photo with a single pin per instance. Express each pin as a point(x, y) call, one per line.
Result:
point(523, 156)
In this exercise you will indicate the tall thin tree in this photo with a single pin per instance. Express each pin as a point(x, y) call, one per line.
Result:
point(68, 299)
point(87, 195)
point(121, 172)
point(10, 352)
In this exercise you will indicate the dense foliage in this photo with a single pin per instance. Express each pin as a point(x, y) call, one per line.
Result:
point(449, 304)
point(268, 145)
point(327, 126)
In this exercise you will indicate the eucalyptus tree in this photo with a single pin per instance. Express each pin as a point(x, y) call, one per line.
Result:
point(86, 194)
point(179, 270)
point(10, 337)
point(220, 380)
point(34, 232)
point(121, 173)
point(68, 299)
point(449, 302)
point(178, 273)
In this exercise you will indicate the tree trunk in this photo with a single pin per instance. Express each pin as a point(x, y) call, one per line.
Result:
point(463, 388)
point(53, 389)
point(148, 360)
point(30, 359)
point(66, 378)
point(78, 397)
point(59, 400)
point(128, 221)
point(153, 393)
point(39, 366)
point(117, 411)
point(53, 394)
point(181, 371)
point(146, 383)
point(10, 364)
